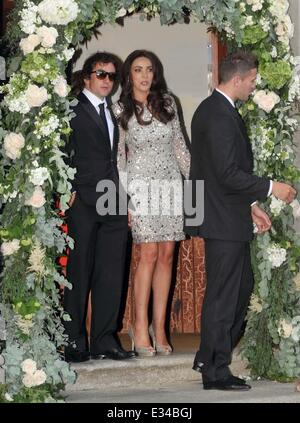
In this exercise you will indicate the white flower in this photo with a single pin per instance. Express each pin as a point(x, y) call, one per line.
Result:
point(13, 144)
point(24, 325)
point(36, 96)
point(8, 397)
point(276, 206)
point(294, 88)
point(29, 18)
point(276, 255)
point(36, 259)
point(278, 8)
point(258, 79)
point(58, 12)
point(37, 199)
point(255, 4)
point(266, 100)
point(10, 247)
point(255, 304)
point(265, 24)
point(249, 21)
point(68, 53)
point(28, 380)
point(29, 44)
point(242, 7)
point(18, 104)
point(47, 35)
point(285, 29)
point(274, 52)
point(39, 377)
point(39, 175)
point(296, 208)
point(122, 12)
point(28, 366)
point(60, 86)
point(285, 329)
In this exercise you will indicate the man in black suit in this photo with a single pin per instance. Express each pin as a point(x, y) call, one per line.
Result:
point(96, 264)
point(221, 156)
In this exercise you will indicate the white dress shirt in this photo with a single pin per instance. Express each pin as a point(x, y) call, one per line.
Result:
point(95, 102)
point(233, 105)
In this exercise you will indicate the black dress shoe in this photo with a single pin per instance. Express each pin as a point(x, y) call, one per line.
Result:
point(238, 380)
point(98, 356)
point(75, 356)
point(228, 384)
point(118, 354)
point(197, 366)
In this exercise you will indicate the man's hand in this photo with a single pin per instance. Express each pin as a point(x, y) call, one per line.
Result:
point(72, 199)
point(261, 219)
point(284, 192)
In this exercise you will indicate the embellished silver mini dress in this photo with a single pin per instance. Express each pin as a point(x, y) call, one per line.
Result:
point(151, 160)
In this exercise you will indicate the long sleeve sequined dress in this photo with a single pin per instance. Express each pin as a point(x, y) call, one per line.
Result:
point(151, 159)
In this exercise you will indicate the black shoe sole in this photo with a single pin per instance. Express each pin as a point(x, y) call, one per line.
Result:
point(98, 357)
point(227, 388)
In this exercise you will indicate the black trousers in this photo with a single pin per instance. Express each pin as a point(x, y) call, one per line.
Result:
point(96, 265)
point(228, 291)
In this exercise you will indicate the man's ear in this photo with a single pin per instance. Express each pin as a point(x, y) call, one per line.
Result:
point(236, 80)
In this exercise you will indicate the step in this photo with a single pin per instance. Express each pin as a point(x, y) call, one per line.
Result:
point(159, 370)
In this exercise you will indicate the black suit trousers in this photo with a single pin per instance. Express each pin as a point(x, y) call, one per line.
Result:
point(228, 291)
point(96, 265)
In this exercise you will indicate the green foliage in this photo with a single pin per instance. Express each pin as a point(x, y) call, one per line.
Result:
point(276, 74)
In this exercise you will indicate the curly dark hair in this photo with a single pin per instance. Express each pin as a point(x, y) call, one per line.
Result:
point(88, 66)
point(158, 102)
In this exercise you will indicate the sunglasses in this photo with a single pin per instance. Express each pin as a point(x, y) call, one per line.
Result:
point(101, 74)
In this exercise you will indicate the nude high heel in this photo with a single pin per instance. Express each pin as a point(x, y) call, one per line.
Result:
point(160, 349)
point(141, 351)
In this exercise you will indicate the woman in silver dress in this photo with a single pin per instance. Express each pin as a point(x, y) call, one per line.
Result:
point(152, 155)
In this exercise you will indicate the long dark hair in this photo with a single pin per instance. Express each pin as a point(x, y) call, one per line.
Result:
point(158, 102)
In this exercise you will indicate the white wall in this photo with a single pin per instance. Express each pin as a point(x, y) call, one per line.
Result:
point(183, 50)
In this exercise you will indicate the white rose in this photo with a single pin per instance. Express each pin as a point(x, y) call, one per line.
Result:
point(28, 366)
point(47, 35)
point(39, 377)
point(10, 247)
point(266, 100)
point(37, 199)
point(29, 44)
point(28, 380)
point(13, 143)
point(61, 87)
point(36, 96)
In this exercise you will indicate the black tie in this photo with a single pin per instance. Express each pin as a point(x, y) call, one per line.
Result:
point(103, 118)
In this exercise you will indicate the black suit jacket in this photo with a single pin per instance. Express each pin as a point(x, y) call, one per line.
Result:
point(221, 156)
point(90, 151)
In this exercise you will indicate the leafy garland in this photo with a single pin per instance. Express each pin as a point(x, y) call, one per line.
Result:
point(35, 116)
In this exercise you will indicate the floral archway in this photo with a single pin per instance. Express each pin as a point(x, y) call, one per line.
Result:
point(35, 116)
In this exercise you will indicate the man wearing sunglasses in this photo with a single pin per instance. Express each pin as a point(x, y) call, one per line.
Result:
point(96, 264)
